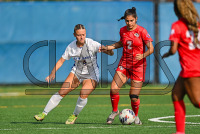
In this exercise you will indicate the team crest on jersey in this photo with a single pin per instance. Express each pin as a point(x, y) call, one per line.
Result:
point(121, 68)
point(136, 35)
point(148, 36)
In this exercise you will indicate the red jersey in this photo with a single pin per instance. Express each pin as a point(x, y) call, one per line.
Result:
point(189, 55)
point(133, 43)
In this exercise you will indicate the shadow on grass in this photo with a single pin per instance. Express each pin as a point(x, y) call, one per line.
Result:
point(96, 123)
point(39, 122)
point(63, 123)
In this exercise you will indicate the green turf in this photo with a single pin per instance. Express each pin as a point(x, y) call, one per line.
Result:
point(16, 114)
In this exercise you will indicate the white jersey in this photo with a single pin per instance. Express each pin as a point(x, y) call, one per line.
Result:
point(85, 57)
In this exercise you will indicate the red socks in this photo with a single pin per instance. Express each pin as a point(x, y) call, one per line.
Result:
point(114, 100)
point(199, 104)
point(180, 133)
point(179, 108)
point(135, 106)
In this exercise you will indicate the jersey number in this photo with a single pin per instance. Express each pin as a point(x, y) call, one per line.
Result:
point(84, 63)
point(190, 34)
point(129, 44)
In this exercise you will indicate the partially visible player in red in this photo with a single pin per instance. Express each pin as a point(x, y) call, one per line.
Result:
point(133, 39)
point(185, 37)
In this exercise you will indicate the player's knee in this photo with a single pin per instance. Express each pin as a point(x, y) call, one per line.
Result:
point(196, 103)
point(63, 92)
point(133, 97)
point(114, 89)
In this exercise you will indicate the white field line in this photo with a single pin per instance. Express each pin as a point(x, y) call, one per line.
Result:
point(159, 119)
point(122, 126)
point(12, 94)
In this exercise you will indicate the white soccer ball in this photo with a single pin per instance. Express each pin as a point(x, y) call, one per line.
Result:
point(127, 116)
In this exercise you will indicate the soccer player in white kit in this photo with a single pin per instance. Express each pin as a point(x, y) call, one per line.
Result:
point(85, 70)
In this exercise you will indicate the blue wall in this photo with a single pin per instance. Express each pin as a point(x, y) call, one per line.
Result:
point(25, 23)
point(166, 18)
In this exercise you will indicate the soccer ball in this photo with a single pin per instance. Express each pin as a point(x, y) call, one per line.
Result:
point(127, 116)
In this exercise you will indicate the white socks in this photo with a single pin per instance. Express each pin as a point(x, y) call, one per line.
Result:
point(53, 102)
point(80, 105)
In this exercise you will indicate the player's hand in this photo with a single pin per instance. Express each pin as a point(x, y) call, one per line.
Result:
point(50, 78)
point(139, 56)
point(103, 48)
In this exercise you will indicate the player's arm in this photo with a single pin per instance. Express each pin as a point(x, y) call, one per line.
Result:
point(104, 50)
point(172, 50)
point(150, 49)
point(147, 53)
point(175, 38)
point(51, 77)
point(111, 47)
point(115, 45)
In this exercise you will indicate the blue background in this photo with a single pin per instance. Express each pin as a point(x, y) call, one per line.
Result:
point(25, 23)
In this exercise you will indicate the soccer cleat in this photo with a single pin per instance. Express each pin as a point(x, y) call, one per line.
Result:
point(111, 117)
point(40, 116)
point(137, 121)
point(72, 118)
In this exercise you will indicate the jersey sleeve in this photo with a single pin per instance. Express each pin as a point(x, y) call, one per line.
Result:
point(146, 37)
point(175, 33)
point(66, 55)
point(96, 46)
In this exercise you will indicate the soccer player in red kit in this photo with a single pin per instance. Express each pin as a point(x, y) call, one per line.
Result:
point(185, 37)
point(133, 39)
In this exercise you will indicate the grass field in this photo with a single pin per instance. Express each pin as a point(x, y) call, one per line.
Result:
point(17, 111)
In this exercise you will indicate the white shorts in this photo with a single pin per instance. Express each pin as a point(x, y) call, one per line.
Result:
point(81, 77)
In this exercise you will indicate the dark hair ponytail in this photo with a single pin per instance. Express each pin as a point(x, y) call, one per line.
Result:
point(131, 11)
point(122, 18)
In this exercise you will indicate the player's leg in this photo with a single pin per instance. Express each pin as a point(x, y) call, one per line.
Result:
point(193, 90)
point(178, 94)
point(87, 88)
point(118, 81)
point(134, 96)
point(69, 84)
point(137, 78)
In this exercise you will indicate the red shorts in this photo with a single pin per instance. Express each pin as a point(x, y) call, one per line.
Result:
point(136, 73)
point(190, 73)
